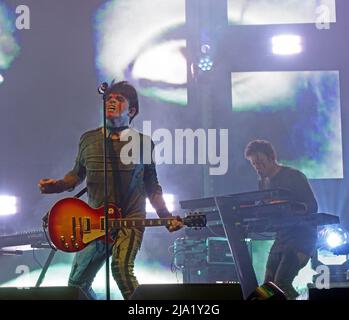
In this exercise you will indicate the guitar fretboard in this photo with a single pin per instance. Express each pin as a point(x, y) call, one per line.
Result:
point(129, 223)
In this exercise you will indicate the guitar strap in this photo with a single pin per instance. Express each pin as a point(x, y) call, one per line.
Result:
point(124, 198)
point(80, 193)
point(135, 176)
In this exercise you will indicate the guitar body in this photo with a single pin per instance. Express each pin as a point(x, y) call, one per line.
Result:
point(73, 224)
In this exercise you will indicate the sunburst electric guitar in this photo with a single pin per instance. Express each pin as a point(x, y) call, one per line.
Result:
point(73, 224)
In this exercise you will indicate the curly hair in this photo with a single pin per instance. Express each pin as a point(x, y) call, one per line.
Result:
point(262, 146)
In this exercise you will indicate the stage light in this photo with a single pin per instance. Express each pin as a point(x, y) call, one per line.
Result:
point(8, 205)
point(332, 252)
point(169, 200)
point(205, 63)
point(336, 238)
point(332, 237)
point(1, 78)
point(287, 44)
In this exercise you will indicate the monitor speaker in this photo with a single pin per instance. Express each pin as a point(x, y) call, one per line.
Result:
point(42, 293)
point(188, 291)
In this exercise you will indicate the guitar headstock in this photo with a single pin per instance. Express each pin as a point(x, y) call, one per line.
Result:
point(195, 220)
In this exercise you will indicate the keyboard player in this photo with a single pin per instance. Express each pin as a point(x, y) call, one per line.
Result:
point(293, 246)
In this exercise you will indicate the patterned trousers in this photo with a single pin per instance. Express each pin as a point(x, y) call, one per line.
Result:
point(123, 253)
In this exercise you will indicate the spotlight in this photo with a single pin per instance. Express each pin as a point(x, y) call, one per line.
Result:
point(287, 44)
point(332, 237)
point(205, 63)
point(1, 78)
point(8, 205)
point(332, 252)
point(335, 239)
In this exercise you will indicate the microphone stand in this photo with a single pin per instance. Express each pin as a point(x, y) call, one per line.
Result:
point(102, 90)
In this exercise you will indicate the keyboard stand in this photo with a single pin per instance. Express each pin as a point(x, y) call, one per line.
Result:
point(45, 268)
point(234, 233)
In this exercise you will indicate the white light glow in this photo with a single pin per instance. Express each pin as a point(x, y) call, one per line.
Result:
point(287, 44)
point(1, 79)
point(335, 239)
point(261, 12)
point(57, 275)
point(8, 205)
point(169, 200)
point(162, 62)
point(252, 90)
point(150, 21)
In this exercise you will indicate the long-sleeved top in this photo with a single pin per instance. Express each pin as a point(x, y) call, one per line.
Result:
point(301, 237)
point(89, 164)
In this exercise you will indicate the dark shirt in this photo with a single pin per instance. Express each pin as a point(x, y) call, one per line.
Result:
point(89, 164)
point(300, 237)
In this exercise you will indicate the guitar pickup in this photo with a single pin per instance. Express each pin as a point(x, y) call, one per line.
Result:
point(73, 237)
point(86, 224)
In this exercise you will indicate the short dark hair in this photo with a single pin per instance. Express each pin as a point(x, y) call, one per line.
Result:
point(262, 146)
point(128, 91)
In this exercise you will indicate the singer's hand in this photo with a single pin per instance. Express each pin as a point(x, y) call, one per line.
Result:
point(175, 225)
point(48, 186)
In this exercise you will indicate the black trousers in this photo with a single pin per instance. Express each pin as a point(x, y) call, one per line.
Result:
point(283, 265)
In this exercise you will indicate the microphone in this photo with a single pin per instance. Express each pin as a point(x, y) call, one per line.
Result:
point(102, 88)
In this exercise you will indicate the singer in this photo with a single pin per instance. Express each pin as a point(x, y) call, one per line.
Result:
point(128, 187)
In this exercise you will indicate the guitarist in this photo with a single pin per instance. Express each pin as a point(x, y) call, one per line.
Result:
point(128, 186)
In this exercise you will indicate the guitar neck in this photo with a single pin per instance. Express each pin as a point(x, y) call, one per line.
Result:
point(135, 222)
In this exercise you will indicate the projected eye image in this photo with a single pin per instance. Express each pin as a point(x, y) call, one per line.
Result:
point(248, 12)
point(149, 51)
point(9, 48)
point(298, 111)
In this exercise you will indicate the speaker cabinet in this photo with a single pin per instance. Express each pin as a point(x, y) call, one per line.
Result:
point(188, 291)
point(42, 293)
